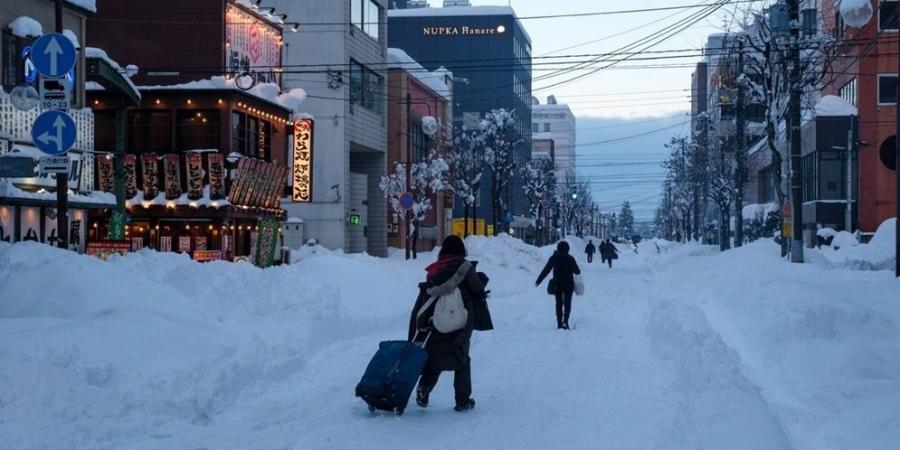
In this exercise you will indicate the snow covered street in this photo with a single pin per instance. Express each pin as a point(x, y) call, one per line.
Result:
point(678, 349)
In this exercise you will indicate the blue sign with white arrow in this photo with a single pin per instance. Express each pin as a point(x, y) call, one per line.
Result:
point(54, 132)
point(53, 55)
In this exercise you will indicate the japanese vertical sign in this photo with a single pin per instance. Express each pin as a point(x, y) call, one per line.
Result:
point(216, 176)
point(151, 177)
point(173, 177)
point(302, 178)
point(194, 163)
point(129, 168)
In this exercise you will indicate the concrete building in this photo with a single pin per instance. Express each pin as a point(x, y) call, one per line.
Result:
point(464, 39)
point(557, 120)
point(344, 76)
point(428, 94)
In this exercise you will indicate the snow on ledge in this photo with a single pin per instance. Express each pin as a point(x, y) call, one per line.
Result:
point(25, 26)
point(89, 5)
point(832, 105)
point(399, 59)
point(270, 92)
point(93, 52)
point(454, 11)
point(97, 198)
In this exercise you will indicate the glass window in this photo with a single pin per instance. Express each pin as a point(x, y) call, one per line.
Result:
point(366, 16)
point(838, 26)
point(887, 15)
point(198, 129)
point(12, 61)
point(365, 87)
point(251, 136)
point(887, 89)
point(535, 127)
point(150, 131)
point(848, 92)
point(372, 17)
point(356, 13)
point(104, 131)
point(547, 127)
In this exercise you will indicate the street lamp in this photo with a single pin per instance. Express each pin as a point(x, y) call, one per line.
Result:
point(857, 13)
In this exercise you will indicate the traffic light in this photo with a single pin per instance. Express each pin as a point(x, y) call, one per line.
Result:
point(574, 195)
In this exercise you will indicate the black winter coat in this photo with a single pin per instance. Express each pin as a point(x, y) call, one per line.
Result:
point(564, 270)
point(447, 351)
point(608, 250)
point(590, 249)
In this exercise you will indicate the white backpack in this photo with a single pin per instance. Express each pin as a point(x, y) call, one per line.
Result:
point(450, 313)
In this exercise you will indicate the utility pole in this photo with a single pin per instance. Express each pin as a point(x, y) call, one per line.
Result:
point(62, 179)
point(408, 213)
point(848, 214)
point(795, 124)
point(740, 151)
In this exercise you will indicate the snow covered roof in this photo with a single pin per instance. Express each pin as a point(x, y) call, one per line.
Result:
point(832, 105)
point(93, 52)
point(399, 59)
point(24, 26)
point(89, 5)
point(453, 11)
point(94, 198)
point(269, 92)
point(541, 135)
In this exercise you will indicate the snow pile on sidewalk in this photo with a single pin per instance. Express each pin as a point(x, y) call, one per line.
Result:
point(97, 354)
point(878, 254)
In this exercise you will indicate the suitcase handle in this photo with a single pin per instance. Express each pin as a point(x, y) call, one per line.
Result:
point(416, 335)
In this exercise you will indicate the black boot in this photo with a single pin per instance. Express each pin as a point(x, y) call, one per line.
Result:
point(465, 406)
point(421, 397)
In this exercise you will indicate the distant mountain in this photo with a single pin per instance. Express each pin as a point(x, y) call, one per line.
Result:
point(622, 157)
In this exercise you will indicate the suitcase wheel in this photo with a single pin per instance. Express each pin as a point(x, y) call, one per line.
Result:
point(371, 408)
point(398, 411)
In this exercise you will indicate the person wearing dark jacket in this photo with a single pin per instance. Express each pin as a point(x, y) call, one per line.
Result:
point(608, 252)
point(564, 270)
point(590, 249)
point(448, 351)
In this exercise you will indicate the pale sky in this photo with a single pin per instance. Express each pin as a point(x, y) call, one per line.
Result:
point(588, 96)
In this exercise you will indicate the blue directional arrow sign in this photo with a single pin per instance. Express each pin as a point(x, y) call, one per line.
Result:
point(53, 55)
point(54, 132)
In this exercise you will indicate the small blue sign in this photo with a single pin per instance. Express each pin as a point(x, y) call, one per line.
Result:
point(54, 132)
point(407, 200)
point(53, 55)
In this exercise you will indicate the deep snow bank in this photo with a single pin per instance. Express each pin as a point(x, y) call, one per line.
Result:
point(98, 353)
point(846, 253)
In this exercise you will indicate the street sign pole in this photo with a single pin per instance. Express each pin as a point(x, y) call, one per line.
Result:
point(62, 179)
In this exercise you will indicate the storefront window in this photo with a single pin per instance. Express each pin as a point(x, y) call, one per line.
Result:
point(150, 131)
point(198, 129)
point(13, 64)
point(251, 137)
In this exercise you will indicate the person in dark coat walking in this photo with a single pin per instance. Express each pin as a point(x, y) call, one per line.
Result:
point(608, 252)
point(448, 351)
point(564, 270)
point(590, 249)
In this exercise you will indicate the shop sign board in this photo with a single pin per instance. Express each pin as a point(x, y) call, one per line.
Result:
point(103, 248)
point(266, 242)
point(16, 166)
point(207, 255)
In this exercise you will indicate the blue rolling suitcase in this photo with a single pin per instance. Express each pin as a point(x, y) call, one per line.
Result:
point(392, 375)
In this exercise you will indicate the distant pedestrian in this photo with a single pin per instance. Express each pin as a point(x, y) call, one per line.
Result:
point(590, 249)
point(562, 285)
point(608, 252)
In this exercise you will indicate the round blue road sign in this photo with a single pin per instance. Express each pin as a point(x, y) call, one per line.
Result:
point(406, 200)
point(53, 132)
point(53, 55)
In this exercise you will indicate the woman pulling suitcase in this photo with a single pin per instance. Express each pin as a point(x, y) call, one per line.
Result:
point(450, 351)
point(562, 285)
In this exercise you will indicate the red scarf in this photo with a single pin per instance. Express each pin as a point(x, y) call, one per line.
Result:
point(436, 267)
